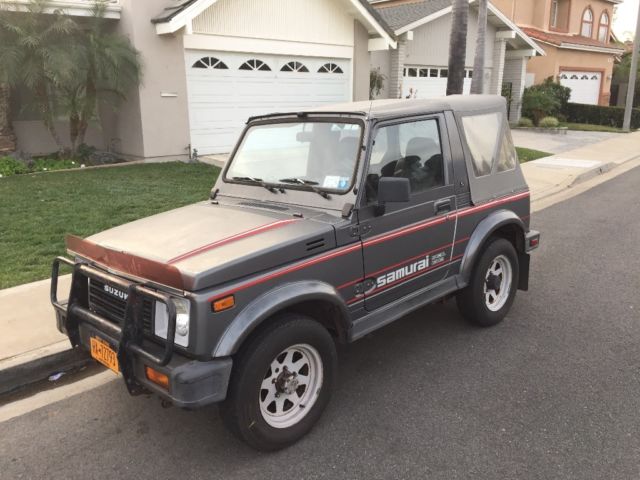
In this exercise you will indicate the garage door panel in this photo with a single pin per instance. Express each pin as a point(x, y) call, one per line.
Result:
point(585, 86)
point(221, 100)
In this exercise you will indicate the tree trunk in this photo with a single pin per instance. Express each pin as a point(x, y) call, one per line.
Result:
point(477, 83)
point(88, 109)
point(7, 138)
point(42, 98)
point(457, 46)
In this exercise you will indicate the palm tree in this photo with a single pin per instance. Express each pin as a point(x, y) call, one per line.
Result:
point(7, 138)
point(34, 54)
point(477, 83)
point(107, 65)
point(457, 46)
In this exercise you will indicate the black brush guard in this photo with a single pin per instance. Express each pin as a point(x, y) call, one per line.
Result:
point(129, 334)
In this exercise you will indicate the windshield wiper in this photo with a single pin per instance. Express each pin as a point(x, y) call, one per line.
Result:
point(257, 181)
point(309, 184)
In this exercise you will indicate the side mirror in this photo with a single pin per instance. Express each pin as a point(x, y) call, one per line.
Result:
point(392, 190)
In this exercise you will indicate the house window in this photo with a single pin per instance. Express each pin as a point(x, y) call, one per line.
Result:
point(444, 73)
point(603, 28)
point(255, 64)
point(587, 23)
point(210, 62)
point(333, 68)
point(294, 67)
point(554, 13)
point(423, 72)
point(433, 72)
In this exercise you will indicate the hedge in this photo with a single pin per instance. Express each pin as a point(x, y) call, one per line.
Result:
point(599, 115)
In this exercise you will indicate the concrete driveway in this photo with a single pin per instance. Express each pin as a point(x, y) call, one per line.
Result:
point(558, 143)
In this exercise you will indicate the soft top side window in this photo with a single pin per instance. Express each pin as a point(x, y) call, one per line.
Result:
point(490, 144)
point(411, 150)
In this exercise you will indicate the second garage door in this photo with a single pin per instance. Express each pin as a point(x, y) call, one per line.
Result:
point(225, 89)
point(585, 86)
point(429, 82)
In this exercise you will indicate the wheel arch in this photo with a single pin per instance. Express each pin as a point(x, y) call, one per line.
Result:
point(501, 223)
point(316, 299)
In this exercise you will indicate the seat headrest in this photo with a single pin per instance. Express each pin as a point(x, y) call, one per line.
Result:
point(422, 147)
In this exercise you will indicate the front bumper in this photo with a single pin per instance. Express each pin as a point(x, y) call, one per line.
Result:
point(192, 383)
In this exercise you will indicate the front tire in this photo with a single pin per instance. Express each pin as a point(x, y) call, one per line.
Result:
point(493, 284)
point(281, 383)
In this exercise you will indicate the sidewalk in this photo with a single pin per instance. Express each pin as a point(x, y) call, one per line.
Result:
point(551, 175)
point(32, 348)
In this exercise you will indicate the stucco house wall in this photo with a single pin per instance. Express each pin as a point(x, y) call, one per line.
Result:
point(562, 59)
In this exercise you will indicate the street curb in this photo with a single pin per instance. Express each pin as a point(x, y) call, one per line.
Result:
point(604, 168)
point(39, 364)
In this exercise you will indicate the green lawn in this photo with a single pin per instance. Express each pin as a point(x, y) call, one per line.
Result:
point(587, 127)
point(38, 210)
point(527, 154)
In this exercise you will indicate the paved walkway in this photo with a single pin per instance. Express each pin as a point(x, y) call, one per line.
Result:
point(28, 320)
point(559, 142)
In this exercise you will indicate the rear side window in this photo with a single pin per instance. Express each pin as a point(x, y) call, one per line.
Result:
point(482, 134)
point(507, 157)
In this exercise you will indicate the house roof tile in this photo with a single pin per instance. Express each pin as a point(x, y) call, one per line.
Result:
point(562, 39)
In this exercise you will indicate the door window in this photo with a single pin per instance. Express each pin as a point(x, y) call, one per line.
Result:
point(411, 150)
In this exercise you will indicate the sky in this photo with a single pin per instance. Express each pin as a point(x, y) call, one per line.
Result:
point(624, 22)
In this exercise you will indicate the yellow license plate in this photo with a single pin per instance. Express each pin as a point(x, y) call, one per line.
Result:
point(102, 352)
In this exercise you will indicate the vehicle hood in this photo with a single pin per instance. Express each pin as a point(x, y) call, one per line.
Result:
point(211, 244)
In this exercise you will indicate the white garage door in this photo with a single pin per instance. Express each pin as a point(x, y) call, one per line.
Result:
point(225, 89)
point(429, 82)
point(585, 86)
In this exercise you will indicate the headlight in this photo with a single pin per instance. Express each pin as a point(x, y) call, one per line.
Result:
point(161, 322)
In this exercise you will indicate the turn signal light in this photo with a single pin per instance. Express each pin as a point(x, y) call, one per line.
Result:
point(157, 377)
point(223, 304)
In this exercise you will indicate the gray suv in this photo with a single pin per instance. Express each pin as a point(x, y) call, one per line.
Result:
point(324, 226)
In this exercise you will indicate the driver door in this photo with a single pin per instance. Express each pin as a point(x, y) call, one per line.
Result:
point(409, 246)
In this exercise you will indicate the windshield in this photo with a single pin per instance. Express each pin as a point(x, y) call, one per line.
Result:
point(298, 155)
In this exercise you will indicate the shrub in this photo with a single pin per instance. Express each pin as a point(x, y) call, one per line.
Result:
point(525, 122)
point(599, 115)
point(547, 99)
point(538, 103)
point(549, 122)
point(11, 166)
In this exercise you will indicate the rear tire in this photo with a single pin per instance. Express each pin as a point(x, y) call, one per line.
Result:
point(281, 383)
point(493, 284)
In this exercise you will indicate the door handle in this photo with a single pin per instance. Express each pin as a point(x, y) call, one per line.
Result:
point(442, 206)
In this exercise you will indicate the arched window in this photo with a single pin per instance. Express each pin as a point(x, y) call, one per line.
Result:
point(587, 23)
point(210, 62)
point(603, 28)
point(255, 64)
point(333, 68)
point(294, 67)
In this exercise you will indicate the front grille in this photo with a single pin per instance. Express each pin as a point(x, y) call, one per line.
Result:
point(112, 308)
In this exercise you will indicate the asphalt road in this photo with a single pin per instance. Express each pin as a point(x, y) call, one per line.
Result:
point(552, 392)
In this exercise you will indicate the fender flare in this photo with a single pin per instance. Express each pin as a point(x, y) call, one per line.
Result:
point(272, 302)
point(482, 232)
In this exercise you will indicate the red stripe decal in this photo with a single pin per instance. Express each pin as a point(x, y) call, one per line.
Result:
point(294, 268)
point(429, 252)
point(469, 210)
point(374, 241)
point(402, 280)
point(232, 238)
